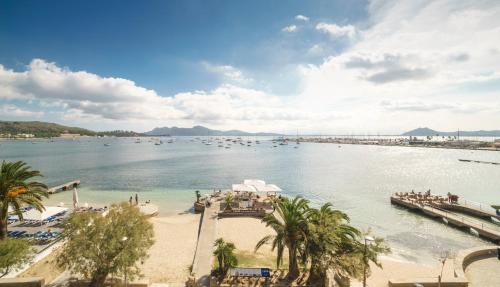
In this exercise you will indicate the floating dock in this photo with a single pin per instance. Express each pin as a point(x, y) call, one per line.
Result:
point(65, 186)
point(485, 231)
point(478, 161)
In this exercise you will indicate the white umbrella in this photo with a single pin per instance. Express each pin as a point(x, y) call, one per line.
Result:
point(75, 198)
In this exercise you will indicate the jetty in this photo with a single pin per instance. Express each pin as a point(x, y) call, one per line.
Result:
point(65, 186)
point(471, 208)
point(203, 257)
point(430, 208)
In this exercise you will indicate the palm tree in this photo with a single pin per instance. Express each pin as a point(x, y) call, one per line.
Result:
point(17, 190)
point(228, 200)
point(225, 256)
point(329, 237)
point(290, 225)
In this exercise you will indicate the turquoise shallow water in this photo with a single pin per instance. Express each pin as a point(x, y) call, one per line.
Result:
point(356, 179)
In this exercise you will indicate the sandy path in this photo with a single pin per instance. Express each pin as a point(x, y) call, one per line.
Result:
point(173, 251)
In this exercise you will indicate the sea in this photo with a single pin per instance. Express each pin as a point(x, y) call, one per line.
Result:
point(357, 179)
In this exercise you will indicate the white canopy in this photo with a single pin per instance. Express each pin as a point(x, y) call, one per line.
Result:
point(49, 211)
point(255, 185)
point(244, 187)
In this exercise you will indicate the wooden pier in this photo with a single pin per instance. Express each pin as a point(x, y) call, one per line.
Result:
point(65, 186)
point(486, 231)
point(470, 209)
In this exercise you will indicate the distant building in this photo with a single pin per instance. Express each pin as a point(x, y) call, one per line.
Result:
point(24, 136)
point(68, 135)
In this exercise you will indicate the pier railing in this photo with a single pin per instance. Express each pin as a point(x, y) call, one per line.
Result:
point(448, 215)
point(468, 221)
point(476, 205)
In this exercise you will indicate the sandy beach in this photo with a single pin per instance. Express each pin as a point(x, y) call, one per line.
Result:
point(173, 251)
point(396, 269)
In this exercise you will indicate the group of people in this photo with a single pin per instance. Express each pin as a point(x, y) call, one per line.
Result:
point(131, 199)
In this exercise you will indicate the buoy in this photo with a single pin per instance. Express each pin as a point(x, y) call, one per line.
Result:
point(474, 232)
point(495, 220)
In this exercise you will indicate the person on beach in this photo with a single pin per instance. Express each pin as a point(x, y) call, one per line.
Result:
point(130, 200)
point(136, 199)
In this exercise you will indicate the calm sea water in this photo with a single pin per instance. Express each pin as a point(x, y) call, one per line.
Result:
point(356, 179)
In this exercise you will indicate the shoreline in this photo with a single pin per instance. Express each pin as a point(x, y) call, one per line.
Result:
point(383, 143)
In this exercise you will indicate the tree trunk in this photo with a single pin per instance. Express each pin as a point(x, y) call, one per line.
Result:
point(3, 228)
point(316, 275)
point(293, 267)
point(98, 280)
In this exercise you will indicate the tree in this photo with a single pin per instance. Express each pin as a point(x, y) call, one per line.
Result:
point(17, 189)
point(98, 245)
point(290, 225)
point(14, 254)
point(225, 256)
point(329, 238)
point(228, 200)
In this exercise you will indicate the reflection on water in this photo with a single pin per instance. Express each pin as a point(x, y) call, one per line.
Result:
point(356, 179)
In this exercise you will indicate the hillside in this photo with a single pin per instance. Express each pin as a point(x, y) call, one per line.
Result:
point(201, 131)
point(45, 130)
point(40, 129)
point(430, 132)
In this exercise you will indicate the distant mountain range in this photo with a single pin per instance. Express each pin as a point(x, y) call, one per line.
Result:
point(201, 131)
point(430, 132)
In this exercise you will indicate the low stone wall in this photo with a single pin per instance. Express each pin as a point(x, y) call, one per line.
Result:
point(22, 282)
point(243, 213)
point(429, 282)
point(86, 282)
point(467, 256)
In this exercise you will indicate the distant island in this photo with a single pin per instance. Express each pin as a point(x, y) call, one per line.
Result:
point(201, 131)
point(37, 129)
point(429, 132)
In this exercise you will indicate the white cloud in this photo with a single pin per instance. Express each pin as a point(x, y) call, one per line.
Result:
point(436, 57)
point(228, 72)
point(85, 97)
point(302, 18)
point(336, 31)
point(290, 28)
point(15, 111)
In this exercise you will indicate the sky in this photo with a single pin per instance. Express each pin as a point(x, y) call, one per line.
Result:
point(329, 67)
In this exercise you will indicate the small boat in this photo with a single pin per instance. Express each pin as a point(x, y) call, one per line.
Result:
point(157, 143)
point(227, 147)
point(106, 144)
point(445, 220)
point(220, 145)
point(138, 140)
point(466, 160)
